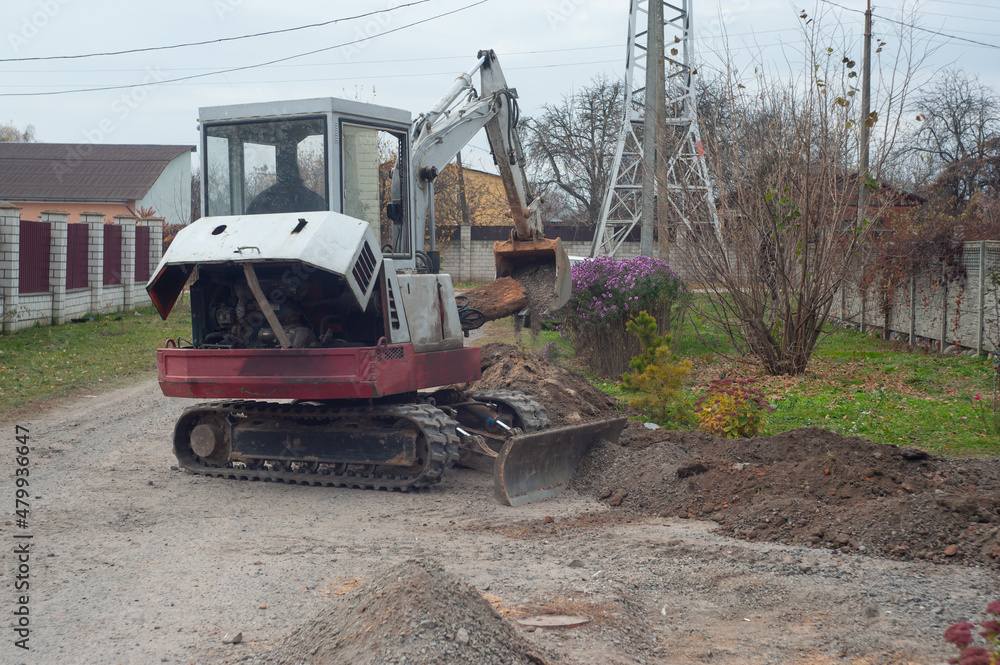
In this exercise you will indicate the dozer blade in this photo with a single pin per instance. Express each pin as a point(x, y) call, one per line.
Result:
point(513, 256)
point(538, 465)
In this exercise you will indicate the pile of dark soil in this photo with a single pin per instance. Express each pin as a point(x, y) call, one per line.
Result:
point(808, 486)
point(568, 398)
point(410, 613)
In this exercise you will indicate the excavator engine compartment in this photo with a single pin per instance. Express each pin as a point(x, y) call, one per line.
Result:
point(314, 308)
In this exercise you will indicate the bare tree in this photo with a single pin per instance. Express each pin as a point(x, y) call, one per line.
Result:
point(958, 133)
point(9, 133)
point(485, 199)
point(571, 146)
point(785, 161)
point(195, 195)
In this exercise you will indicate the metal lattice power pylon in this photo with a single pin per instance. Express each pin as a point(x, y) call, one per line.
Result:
point(685, 176)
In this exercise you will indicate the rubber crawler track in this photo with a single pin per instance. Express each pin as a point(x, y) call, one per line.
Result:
point(436, 429)
point(528, 409)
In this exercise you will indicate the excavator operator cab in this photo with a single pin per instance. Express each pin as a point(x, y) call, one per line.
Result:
point(312, 155)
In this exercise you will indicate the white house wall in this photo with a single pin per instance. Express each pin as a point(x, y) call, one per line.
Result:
point(170, 195)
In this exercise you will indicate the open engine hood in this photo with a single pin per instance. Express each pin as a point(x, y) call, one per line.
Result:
point(329, 241)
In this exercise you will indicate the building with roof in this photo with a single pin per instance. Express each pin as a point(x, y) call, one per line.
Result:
point(112, 180)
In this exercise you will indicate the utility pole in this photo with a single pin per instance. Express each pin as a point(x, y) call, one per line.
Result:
point(866, 104)
point(659, 143)
point(655, 94)
point(463, 204)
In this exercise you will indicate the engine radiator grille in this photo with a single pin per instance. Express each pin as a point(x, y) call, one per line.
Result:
point(364, 267)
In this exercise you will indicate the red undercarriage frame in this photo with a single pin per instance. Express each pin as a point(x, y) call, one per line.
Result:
point(320, 374)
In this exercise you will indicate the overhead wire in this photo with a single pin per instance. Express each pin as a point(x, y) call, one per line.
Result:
point(384, 76)
point(916, 27)
point(964, 4)
point(212, 72)
point(320, 64)
point(243, 67)
point(146, 49)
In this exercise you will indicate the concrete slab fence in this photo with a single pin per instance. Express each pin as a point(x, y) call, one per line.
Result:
point(961, 315)
point(957, 315)
point(52, 271)
point(467, 251)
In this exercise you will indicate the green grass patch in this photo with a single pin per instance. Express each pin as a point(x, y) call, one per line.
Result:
point(858, 385)
point(948, 426)
point(49, 362)
point(700, 336)
point(464, 286)
point(855, 385)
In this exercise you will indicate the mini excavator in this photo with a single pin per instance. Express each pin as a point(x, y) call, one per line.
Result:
point(328, 340)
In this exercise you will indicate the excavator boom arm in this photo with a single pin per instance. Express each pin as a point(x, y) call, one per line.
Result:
point(442, 132)
point(439, 135)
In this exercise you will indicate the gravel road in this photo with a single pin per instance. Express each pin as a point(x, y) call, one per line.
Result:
point(132, 561)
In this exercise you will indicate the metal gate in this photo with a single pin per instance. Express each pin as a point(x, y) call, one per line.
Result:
point(36, 238)
point(112, 255)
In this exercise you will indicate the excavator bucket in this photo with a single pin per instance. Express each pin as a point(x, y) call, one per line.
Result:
point(540, 464)
point(522, 258)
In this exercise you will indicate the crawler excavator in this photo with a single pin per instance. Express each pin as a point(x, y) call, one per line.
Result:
point(325, 334)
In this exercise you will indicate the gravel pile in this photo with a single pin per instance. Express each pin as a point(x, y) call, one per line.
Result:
point(413, 612)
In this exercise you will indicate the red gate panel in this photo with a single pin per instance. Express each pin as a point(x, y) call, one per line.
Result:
point(112, 255)
point(36, 237)
point(77, 239)
point(142, 254)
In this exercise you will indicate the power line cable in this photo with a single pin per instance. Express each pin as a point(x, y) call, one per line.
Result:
point(978, 19)
point(241, 68)
point(964, 4)
point(916, 27)
point(393, 60)
point(211, 41)
point(384, 76)
point(318, 64)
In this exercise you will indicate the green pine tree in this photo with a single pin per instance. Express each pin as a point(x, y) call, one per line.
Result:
point(657, 375)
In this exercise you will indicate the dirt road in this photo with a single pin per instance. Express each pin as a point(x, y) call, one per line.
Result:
point(132, 561)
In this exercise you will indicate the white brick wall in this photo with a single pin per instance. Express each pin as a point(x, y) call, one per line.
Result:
point(10, 244)
point(472, 260)
point(57, 262)
point(111, 299)
point(128, 260)
point(59, 305)
point(33, 309)
point(76, 304)
point(95, 259)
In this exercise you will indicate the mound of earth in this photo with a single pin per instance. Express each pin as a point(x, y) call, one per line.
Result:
point(410, 613)
point(808, 486)
point(568, 398)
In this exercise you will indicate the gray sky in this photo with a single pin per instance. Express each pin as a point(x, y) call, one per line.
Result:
point(548, 48)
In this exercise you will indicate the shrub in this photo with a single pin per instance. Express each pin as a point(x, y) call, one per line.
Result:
point(170, 232)
point(656, 374)
point(732, 408)
point(606, 294)
point(970, 653)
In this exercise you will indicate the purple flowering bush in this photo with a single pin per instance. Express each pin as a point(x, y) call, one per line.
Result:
point(962, 635)
point(607, 293)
